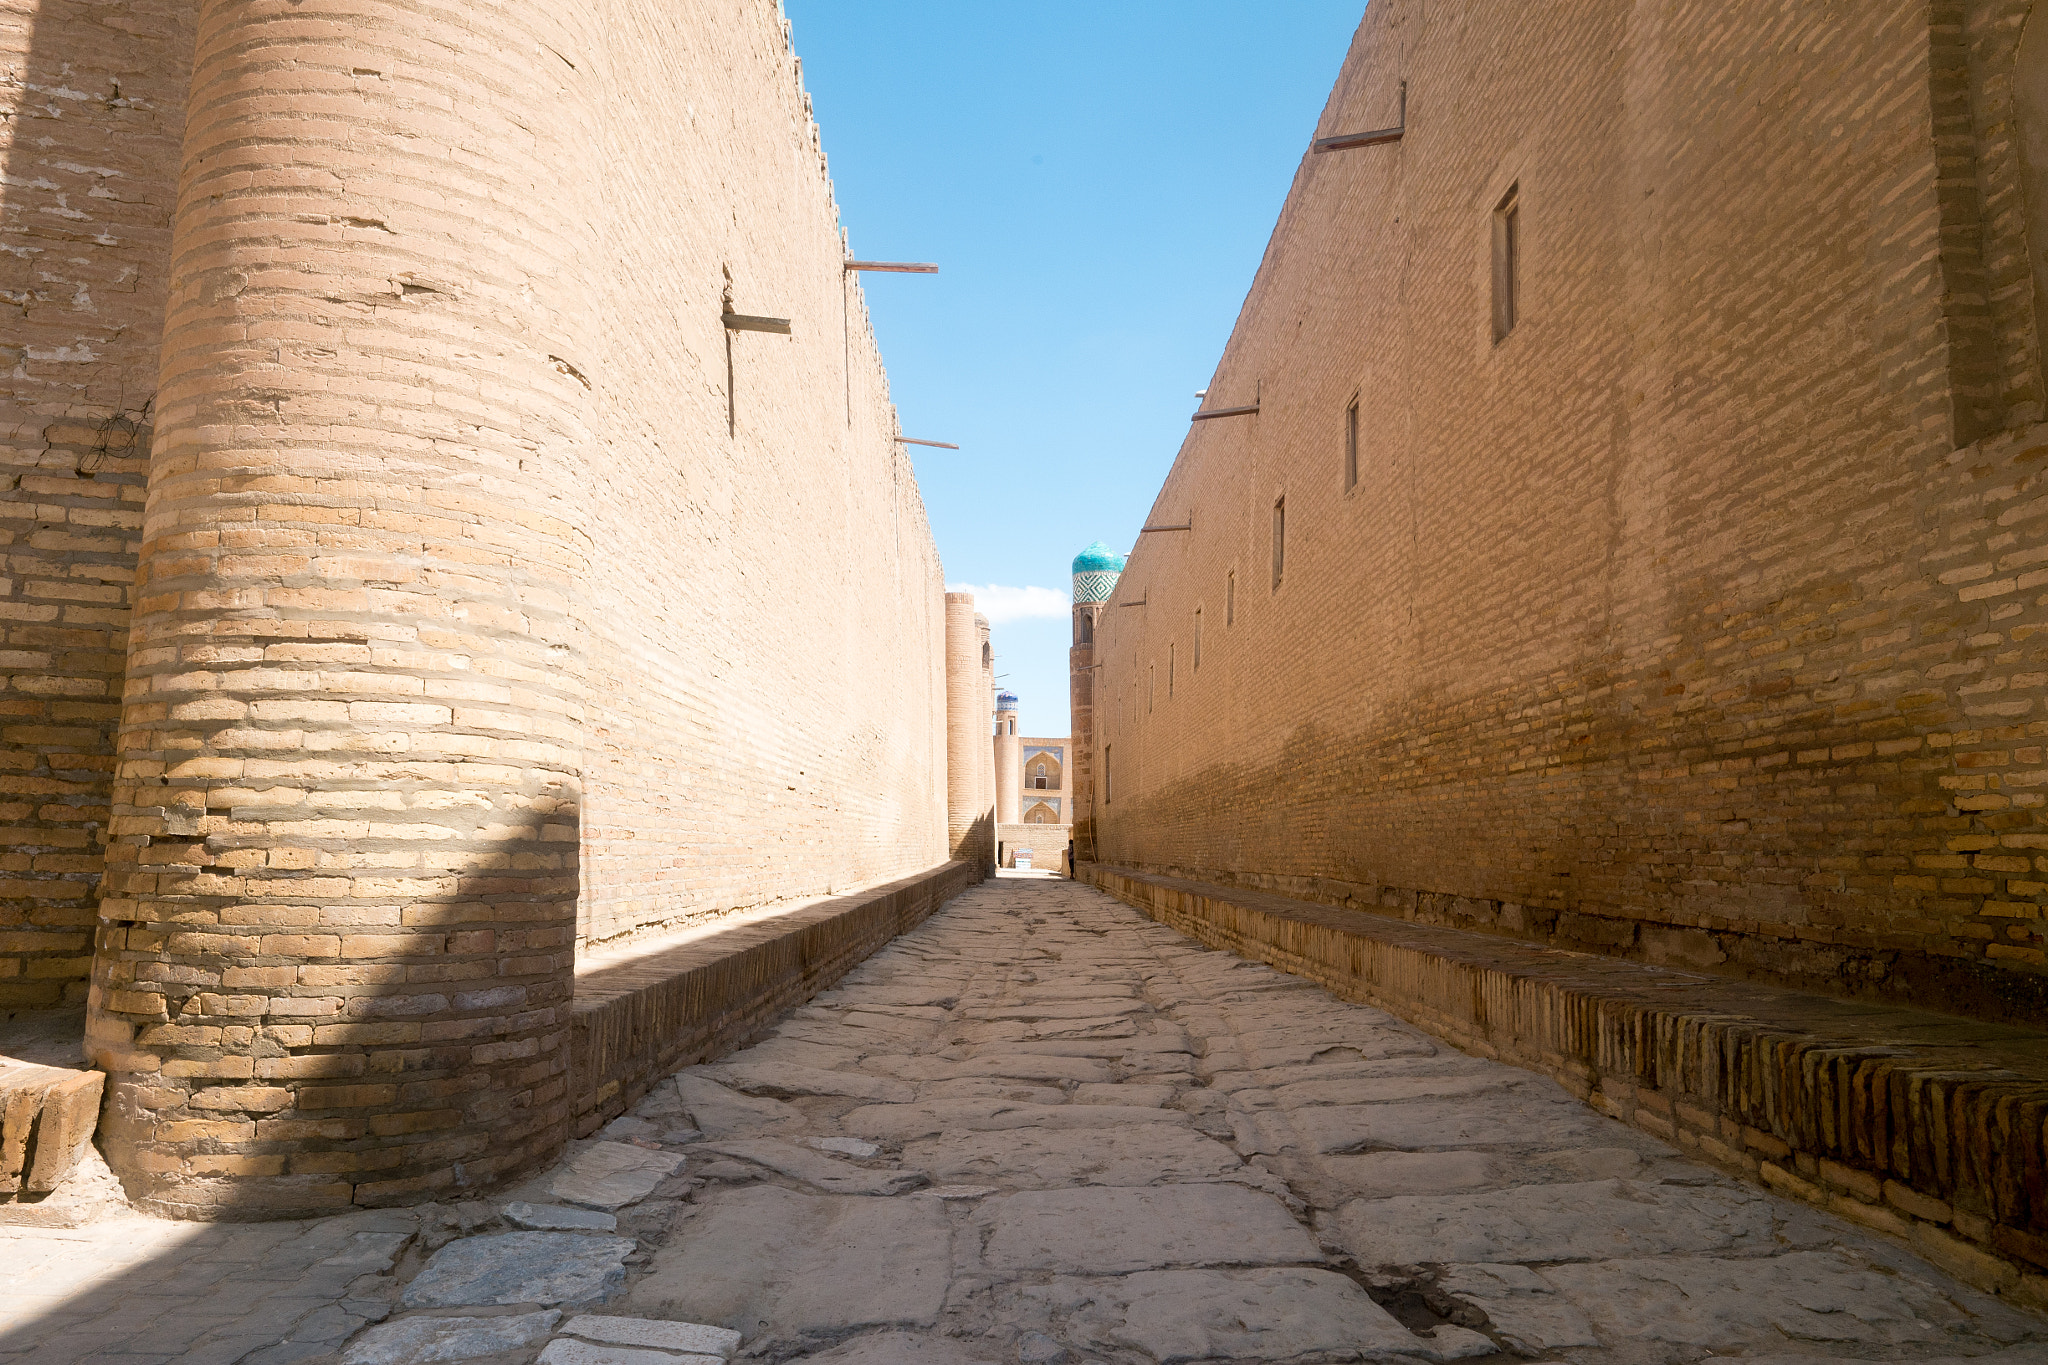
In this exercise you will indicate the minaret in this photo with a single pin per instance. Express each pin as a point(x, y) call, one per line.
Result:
point(1009, 761)
point(1096, 570)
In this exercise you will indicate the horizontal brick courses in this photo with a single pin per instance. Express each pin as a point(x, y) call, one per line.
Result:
point(1697, 619)
point(482, 614)
point(90, 159)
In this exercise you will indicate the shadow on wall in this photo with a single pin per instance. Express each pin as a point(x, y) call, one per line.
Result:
point(981, 835)
point(449, 1059)
point(351, 1055)
point(390, 1089)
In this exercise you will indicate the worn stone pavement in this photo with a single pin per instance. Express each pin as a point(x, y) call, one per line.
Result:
point(1042, 1129)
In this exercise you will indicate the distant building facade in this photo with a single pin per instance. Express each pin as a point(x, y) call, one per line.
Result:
point(1034, 796)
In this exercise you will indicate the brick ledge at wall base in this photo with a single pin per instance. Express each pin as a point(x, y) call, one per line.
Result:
point(637, 1021)
point(1888, 977)
point(1924, 1127)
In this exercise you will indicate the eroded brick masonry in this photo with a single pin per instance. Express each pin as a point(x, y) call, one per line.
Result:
point(1682, 593)
point(410, 575)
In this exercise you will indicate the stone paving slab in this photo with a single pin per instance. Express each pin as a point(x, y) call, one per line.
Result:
point(611, 1175)
point(667, 1336)
point(768, 1261)
point(1105, 1231)
point(830, 1174)
point(568, 1351)
point(1547, 1223)
point(1190, 1315)
point(564, 1268)
point(1135, 1154)
point(417, 1341)
point(1250, 1170)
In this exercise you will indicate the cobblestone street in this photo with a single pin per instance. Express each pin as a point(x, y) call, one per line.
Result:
point(1042, 1129)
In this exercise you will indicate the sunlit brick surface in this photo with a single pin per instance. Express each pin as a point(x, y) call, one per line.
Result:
point(1698, 620)
point(492, 599)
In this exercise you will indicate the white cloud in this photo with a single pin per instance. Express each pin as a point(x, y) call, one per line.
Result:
point(1000, 604)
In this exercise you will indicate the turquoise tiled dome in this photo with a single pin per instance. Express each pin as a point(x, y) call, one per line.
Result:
point(1095, 573)
point(1098, 557)
point(1006, 701)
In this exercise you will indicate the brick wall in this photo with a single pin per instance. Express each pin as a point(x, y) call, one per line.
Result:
point(96, 98)
point(765, 607)
point(1048, 844)
point(1695, 620)
point(492, 597)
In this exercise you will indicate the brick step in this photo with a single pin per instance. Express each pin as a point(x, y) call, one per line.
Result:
point(47, 1117)
point(1926, 1126)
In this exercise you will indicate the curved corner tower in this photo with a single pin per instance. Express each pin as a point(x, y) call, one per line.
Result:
point(335, 951)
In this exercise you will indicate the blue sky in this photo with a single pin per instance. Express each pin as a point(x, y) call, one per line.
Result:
point(1096, 181)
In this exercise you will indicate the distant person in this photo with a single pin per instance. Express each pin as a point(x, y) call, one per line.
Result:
point(1070, 860)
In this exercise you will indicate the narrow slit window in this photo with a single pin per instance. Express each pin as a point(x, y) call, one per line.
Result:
point(1507, 262)
point(1279, 540)
point(1105, 772)
point(1351, 446)
point(1151, 685)
point(1230, 599)
point(1198, 640)
point(1169, 671)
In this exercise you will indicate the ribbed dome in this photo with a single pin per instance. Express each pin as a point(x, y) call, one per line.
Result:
point(1098, 558)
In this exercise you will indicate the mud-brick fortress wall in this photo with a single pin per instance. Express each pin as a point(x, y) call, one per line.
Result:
point(1701, 619)
point(766, 606)
point(476, 611)
point(95, 100)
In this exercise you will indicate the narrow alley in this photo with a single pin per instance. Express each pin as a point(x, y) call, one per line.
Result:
point(1041, 1128)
